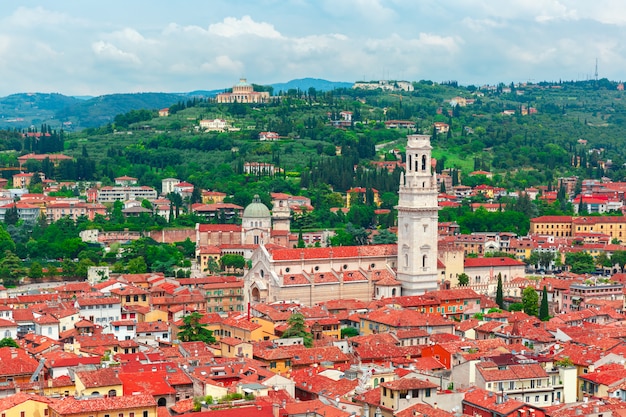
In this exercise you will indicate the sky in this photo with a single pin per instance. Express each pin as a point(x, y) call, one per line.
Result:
point(88, 47)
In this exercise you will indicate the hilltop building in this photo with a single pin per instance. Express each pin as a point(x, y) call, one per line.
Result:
point(243, 93)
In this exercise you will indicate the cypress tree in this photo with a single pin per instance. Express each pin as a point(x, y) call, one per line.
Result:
point(499, 293)
point(544, 312)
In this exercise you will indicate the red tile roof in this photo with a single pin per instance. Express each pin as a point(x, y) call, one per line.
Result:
point(491, 262)
point(16, 362)
point(404, 384)
point(104, 377)
point(334, 252)
point(70, 405)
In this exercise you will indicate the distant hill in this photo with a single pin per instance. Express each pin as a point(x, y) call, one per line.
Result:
point(23, 110)
point(305, 83)
point(101, 110)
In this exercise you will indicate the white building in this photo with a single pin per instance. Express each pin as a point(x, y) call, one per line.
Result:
point(112, 194)
point(100, 311)
point(46, 325)
point(168, 184)
point(218, 125)
point(123, 329)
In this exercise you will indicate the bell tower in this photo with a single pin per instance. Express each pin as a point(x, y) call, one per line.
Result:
point(417, 219)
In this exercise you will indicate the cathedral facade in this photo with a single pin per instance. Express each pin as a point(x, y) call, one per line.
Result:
point(313, 275)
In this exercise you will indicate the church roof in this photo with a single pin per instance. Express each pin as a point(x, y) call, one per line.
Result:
point(256, 209)
point(334, 252)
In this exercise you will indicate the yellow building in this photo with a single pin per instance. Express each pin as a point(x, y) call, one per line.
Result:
point(61, 386)
point(156, 316)
point(128, 406)
point(212, 197)
point(557, 226)
point(327, 326)
point(235, 348)
point(99, 382)
point(21, 405)
point(245, 330)
point(403, 392)
point(359, 193)
point(131, 295)
point(267, 327)
point(614, 226)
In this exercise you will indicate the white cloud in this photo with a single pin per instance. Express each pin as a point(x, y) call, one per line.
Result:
point(221, 64)
point(231, 27)
point(108, 51)
point(192, 45)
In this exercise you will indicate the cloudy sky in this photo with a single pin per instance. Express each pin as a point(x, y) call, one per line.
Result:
point(78, 47)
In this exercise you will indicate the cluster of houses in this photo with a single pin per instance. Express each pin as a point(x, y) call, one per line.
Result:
point(112, 347)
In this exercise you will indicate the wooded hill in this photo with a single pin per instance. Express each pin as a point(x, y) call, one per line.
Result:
point(577, 129)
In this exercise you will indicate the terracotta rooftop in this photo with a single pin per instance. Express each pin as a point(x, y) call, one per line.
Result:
point(70, 405)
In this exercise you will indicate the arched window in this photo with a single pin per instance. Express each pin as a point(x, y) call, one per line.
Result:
point(162, 402)
point(112, 393)
point(423, 162)
point(393, 292)
point(375, 382)
point(424, 261)
point(410, 162)
point(406, 259)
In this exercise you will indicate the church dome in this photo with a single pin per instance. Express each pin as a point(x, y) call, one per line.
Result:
point(256, 209)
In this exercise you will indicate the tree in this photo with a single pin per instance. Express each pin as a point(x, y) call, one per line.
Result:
point(193, 331)
point(68, 268)
point(580, 262)
point(212, 265)
point(6, 242)
point(530, 301)
point(297, 328)
point(347, 332)
point(230, 260)
point(544, 311)
point(137, 266)
point(463, 279)
point(8, 342)
point(11, 269)
point(499, 293)
point(11, 216)
point(35, 271)
point(384, 236)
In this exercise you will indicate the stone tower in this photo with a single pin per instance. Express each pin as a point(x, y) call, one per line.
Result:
point(281, 213)
point(417, 220)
